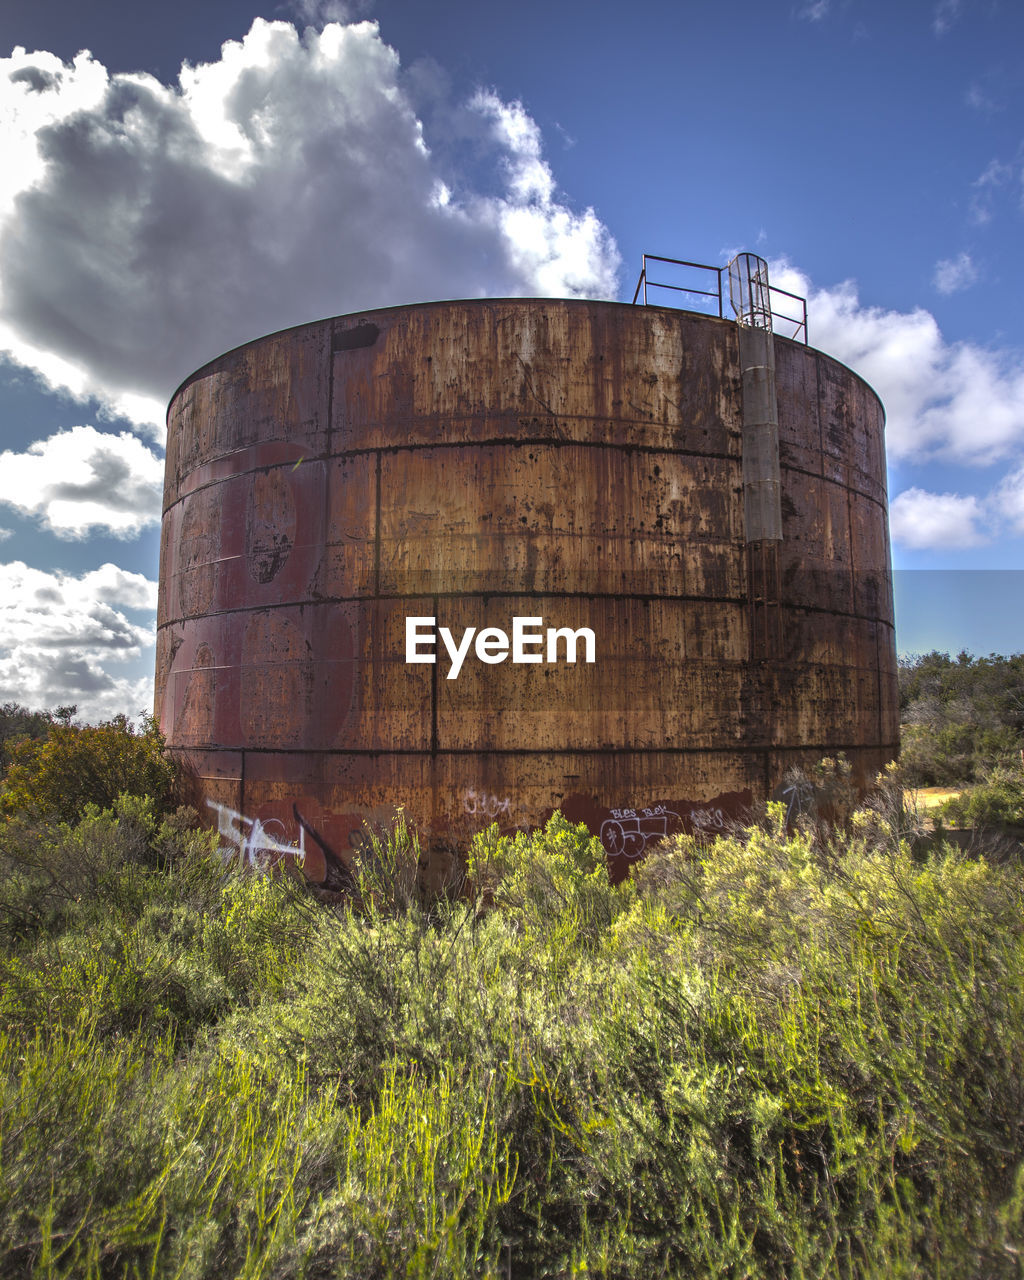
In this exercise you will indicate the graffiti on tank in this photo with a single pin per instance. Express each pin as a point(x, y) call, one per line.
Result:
point(798, 797)
point(260, 844)
point(627, 833)
point(708, 820)
point(485, 805)
point(791, 796)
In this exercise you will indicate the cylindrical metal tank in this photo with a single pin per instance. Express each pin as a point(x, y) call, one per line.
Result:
point(472, 462)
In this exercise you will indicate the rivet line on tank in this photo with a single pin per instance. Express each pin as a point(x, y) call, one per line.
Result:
point(826, 748)
point(559, 442)
point(369, 596)
point(329, 424)
point(482, 444)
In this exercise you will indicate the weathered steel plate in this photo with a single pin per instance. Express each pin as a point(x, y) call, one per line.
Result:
point(478, 461)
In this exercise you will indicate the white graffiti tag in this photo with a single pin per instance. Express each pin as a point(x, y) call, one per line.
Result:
point(481, 804)
point(627, 833)
point(708, 819)
point(259, 844)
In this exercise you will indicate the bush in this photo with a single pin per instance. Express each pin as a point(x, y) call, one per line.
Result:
point(17, 722)
point(386, 868)
point(77, 765)
point(778, 1054)
point(556, 878)
point(997, 802)
point(961, 717)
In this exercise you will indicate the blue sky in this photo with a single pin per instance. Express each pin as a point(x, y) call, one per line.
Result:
point(171, 195)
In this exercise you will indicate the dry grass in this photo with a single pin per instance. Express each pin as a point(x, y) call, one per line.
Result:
point(932, 797)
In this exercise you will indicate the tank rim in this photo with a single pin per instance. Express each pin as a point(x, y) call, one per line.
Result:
point(208, 367)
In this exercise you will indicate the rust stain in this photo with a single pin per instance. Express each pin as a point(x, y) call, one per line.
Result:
point(195, 726)
point(475, 461)
point(270, 525)
point(277, 680)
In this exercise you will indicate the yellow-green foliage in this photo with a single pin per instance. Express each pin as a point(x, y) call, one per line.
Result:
point(76, 765)
point(386, 868)
point(778, 1055)
point(550, 880)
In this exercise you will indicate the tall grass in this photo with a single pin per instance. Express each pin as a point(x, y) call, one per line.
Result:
point(782, 1054)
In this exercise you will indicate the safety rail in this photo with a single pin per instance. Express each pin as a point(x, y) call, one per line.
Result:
point(718, 293)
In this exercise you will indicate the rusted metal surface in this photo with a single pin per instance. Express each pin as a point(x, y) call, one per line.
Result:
point(477, 461)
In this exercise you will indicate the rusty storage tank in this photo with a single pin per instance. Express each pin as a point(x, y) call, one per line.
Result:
point(587, 465)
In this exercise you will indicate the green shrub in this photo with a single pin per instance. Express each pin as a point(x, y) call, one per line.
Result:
point(18, 722)
point(387, 868)
point(961, 717)
point(101, 864)
point(76, 765)
point(119, 1161)
point(549, 882)
point(997, 802)
point(779, 1054)
point(954, 754)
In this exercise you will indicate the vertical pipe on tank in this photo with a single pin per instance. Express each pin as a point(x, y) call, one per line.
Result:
point(762, 501)
point(762, 488)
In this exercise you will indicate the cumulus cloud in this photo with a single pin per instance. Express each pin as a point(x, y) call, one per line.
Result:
point(921, 520)
point(58, 632)
point(952, 400)
point(81, 480)
point(145, 228)
point(955, 274)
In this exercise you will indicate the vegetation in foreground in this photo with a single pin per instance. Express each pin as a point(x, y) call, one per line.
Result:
point(780, 1055)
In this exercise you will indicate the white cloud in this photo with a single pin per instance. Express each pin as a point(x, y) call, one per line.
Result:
point(952, 400)
point(1009, 500)
point(815, 11)
point(996, 175)
point(529, 178)
point(58, 632)
point(114, 586)
point(946, 14)
point(955, 274)
point(5, 534)
point(146, 228)
point(321, 11)
point(82, 480)
point(980, 100)
point(920, 520)
point(37, 91)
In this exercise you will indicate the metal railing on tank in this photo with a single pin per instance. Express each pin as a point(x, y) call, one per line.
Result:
point(706, 288)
